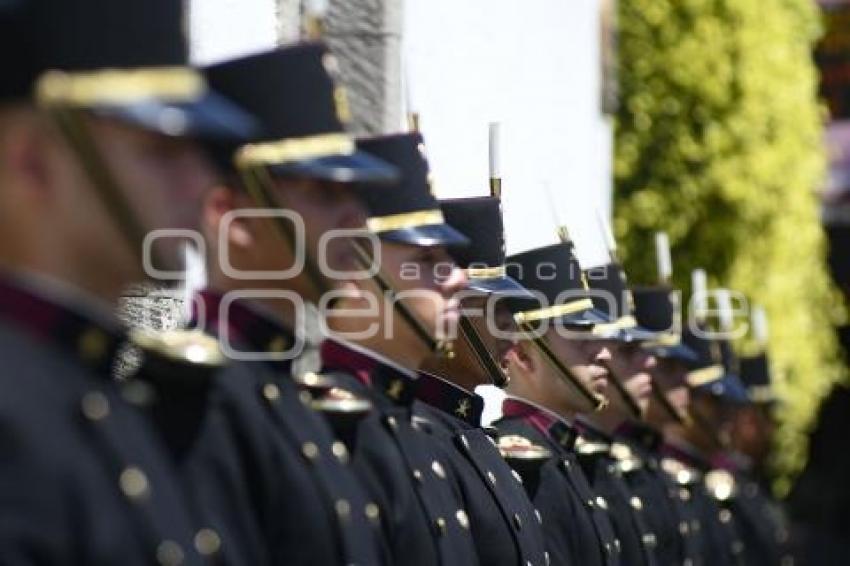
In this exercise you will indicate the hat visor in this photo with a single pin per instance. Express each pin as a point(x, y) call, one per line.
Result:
point(516, 297)
point(586, 318)
point(679, 352)
point(427, 236)
point(727, 388)
point(357, 167)
point(208, 118)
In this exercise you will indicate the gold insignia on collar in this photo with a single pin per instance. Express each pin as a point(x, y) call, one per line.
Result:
point(92, 345)
point(395, 389)
point(463, 407)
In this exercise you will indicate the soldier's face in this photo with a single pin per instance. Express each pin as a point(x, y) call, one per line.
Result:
point(630, 365)
point(164, 180)
point(427, 282)
point(586, 360)
point(670, 376)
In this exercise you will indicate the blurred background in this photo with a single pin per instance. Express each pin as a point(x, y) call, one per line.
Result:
point(725, 123)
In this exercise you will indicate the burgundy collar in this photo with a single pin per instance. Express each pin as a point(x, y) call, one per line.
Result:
point(397, 384)
point(544, 421)
point(450, 398)
point(245, 328)
point(685, 454)
point(94, 342)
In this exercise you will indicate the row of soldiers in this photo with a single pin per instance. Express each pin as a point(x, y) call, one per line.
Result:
point(214, 449)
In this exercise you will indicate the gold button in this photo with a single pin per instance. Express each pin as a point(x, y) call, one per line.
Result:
point(567, 464)
point(517, 521)
point(684, 494)
point(649, 540)
point(462, 518)
point(340, 451)
point(271, 392)
point(683, 528)
point(438, 469)
point(617, 545)
point(608, 547)
point(546, 558)
point(636, 503)
point(134, 483)
point(392, 422)
point(343, 509)
point(492, 477)
point(310, 450)
point(590, 503)
point(372, 512)
point(417, 475)
point(207, 542)
point(441, 525)
point(169, 553)
point(92, 345)
point(95, 406)
point(600, 501)
point(725, 516)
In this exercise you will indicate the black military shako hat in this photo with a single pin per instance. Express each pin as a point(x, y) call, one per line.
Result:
point(303, 112)
point(126, 60)
point(755, 373)
point(406, 212)
point(555, 274)
point(655, 310)
point(611, 295)
point(483, 260)
point(709, 374)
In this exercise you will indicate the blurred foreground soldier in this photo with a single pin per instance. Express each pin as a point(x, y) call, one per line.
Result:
point(424, 517)
point(95, 109)
point(295, 179)
point(505, 525)
point(545, 395)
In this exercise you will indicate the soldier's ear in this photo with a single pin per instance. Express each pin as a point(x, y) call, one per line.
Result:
point(519, 358)
point(24, 152)
point(218, 203)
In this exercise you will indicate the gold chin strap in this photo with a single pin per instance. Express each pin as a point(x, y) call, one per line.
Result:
point(260, 185)
point(444, 348)
point(485, 359)
point(72, 125)
point(596, 401)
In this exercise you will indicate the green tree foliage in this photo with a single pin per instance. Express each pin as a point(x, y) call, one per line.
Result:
point(719, 142)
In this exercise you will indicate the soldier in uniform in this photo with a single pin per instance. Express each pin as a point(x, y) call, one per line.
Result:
point(375, 354)
point(637, 443)
point(539, 411)
point(656, 310)
point(296, 178)
point(593, 445)
point(688, 450)
point(95, 111)
point(505, 525)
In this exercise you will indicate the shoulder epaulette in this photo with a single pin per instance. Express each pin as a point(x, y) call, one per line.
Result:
point(627, 459)
point(516, 447)
point(189, 347)
point(588, 447)
point(339, 401)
